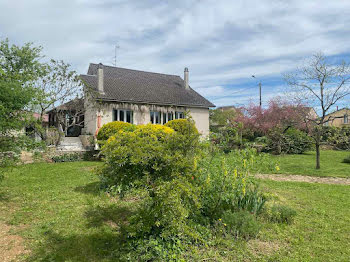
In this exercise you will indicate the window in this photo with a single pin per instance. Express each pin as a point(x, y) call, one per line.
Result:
point(179, 115)
point(168, 117)
point(123, 115)
point(155, 117)
point(346, 119)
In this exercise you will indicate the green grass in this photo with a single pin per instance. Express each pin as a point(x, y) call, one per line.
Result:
point(63, 216)
point(331, 164)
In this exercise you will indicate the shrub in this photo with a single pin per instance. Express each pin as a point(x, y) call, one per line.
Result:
point(227, 185)
point(144, 156)
point(72, 157)
point(241, 224)
point(281, 214)
point(183, 126)
point(292, 141)
point(113, 128)
point(338, 138)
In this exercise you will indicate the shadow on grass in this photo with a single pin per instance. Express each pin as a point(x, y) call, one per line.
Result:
point(101, 240)
point(113, 215)
point(104, 245)
point(91, 188)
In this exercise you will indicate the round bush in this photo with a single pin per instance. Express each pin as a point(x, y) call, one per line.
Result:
point(183, 126)
point(158, 131)
point(112, 128)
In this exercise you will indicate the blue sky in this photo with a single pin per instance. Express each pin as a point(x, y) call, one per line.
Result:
point(222, 43)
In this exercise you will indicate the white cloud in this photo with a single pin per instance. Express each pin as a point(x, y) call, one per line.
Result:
point(222, 42)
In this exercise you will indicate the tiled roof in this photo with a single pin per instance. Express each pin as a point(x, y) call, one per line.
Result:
point(126, 85)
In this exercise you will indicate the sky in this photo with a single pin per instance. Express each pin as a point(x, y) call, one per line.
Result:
point(222, 42)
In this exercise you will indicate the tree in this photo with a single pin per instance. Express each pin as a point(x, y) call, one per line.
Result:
point(19, 68)
point(60, 91)
point(320, 84)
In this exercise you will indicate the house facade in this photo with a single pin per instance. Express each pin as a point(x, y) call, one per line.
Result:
point(138, 97)
point(338, 118)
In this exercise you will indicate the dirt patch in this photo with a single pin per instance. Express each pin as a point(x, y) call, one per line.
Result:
point(259, 247)
point(11, 246)
point(308, 179)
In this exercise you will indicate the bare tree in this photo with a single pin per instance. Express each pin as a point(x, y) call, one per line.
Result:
point(56, 88)
point(319, 84)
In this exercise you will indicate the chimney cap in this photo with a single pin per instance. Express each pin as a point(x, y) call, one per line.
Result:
point(186, 69)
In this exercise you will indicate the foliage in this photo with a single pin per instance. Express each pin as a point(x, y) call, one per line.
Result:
point(53, 136)
point(183, 126)
point(292, 141)
point(85, 224)
point(67, 157)
point(241, 224)
point(227, 184)
point(323, 84)
point(338, 137)
point(281, 214)
point(113, 128)
point(221, 117)
point(227, 138)
point(56, 88)
point(148, 154)
point(259, 121)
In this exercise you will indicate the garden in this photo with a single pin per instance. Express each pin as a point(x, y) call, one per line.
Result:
point(163, 194)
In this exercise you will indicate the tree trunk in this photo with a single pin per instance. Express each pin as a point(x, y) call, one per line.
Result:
point(318, 166)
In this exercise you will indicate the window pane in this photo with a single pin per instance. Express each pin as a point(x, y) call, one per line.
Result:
point(115, 115)
point(170, 116)
point(157, 117)
point(152, 117)
point(121, 115)
point(164, 118)
point(128, 116)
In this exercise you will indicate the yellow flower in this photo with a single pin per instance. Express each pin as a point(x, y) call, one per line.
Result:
point(225, 225)
point(235, 173)
point(277, 168)
point(219, 219)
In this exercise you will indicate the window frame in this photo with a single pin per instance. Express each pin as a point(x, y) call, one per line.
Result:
point(117, 113)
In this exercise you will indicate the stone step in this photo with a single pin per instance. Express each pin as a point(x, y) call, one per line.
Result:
point(71, 144)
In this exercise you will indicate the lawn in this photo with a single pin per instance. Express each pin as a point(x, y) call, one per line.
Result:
point(304, 164)
point(62, 215)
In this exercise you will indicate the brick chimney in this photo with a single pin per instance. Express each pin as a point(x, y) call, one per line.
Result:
point(100, 78)
point(186, 78)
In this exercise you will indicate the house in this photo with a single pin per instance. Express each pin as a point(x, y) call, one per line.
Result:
point(139, 97)
point(338, 118)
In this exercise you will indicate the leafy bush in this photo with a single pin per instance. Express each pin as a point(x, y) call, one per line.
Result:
point(227, 185)
point(292, 141)
point(183, 126)
point(338, 138)
point(72, 157)
point(113, 128)
point(241, 224)
point(281, 214)
point(187, 191)
point(144, 156)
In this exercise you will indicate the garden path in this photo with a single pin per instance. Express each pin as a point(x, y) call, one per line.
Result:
point(308, 179)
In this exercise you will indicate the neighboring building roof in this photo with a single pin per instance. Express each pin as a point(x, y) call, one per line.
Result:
point(76, 103)
point(338, 110)
point(127, 85)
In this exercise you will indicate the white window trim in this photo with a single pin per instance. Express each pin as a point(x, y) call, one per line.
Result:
point(124, 110)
